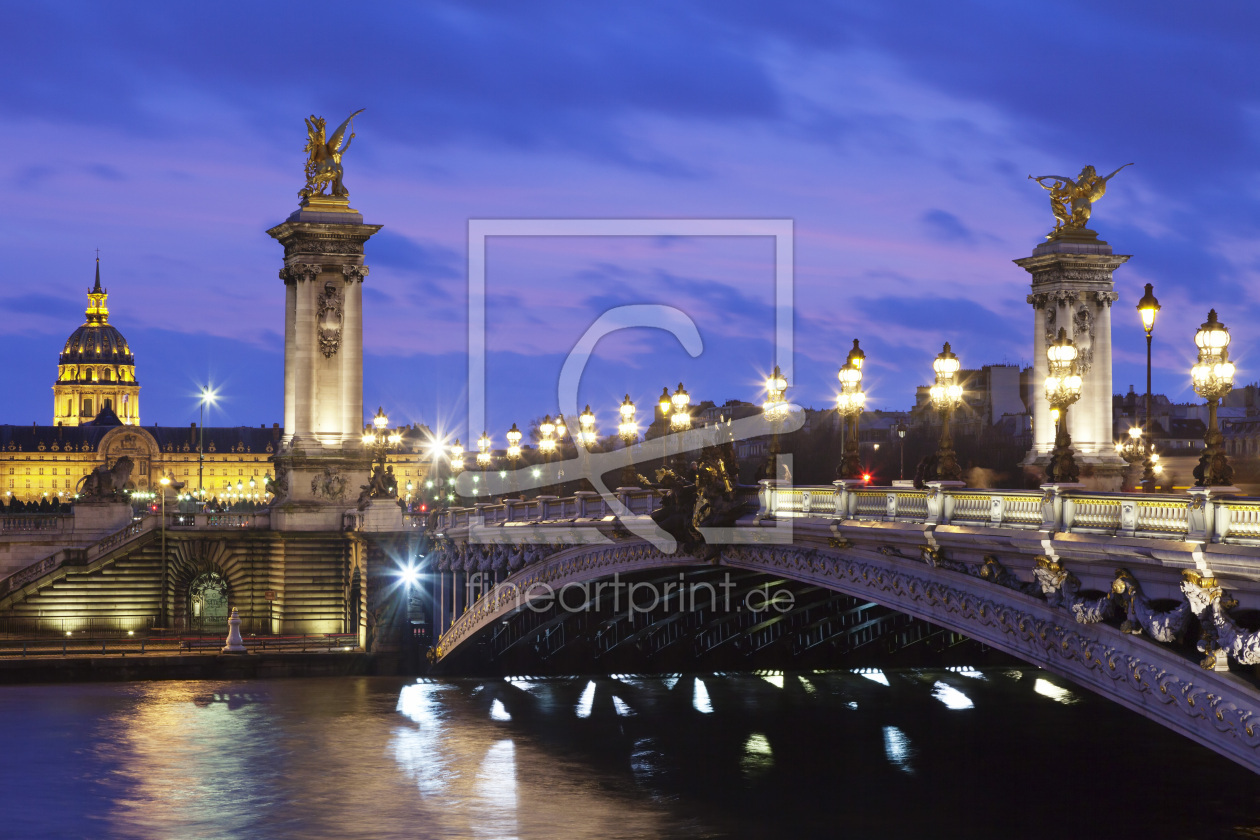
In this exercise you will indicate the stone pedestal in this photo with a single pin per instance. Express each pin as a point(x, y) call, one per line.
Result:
point(1072, 289)
point(91, 517)
point(321, 463)
point(382, 515)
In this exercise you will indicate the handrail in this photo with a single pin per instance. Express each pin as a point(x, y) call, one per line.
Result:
point(1198, 515)
point(132, 531)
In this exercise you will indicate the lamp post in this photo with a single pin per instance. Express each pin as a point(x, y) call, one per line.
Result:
point(775, 409)
point(456, 458)
point(547, 443)
point(587, 435)
point(208, 395)
point(680, 416)
point(1148, 307)
point(901, 436)
point(946, 395)
point(484, 457)
point(1133, 449)
point(628, 429)
point(1063, 388)
point(849, 404)
point(513, 451)
point(379, 441)
point(1213, 378)
point(162, 616)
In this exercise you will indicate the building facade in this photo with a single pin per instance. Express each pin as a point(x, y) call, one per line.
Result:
point(96, 369)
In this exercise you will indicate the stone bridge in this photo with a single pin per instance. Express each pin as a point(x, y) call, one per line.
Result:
point(1149, 600)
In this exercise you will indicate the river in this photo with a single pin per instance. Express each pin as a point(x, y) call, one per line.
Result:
point(908, 753)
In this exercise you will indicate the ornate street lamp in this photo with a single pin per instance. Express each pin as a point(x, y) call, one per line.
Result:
point(849, 404)
point(775, 409)
point(513, 451)
point(946, 395)
point(1063, 388)
point(628, 429)
point(1213, 378)
point(1132, 450)
point(547, 445)
point(208, 395)
point(1148, 307)
point(680, 420)
point(378, 441)
point(162, 613)
point(457, 457)
point(484, 455)
point(901, 436)
point(588, 433)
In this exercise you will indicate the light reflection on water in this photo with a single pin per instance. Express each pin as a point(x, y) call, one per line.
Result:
point(735, 756)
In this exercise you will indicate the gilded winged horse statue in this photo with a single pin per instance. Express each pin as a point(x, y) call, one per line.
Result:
point(323, 162)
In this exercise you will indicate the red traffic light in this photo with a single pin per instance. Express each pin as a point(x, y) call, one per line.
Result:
point(866, 477)
point(423, 508)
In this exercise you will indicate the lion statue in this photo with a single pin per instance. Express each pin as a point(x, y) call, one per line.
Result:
point(106, 482)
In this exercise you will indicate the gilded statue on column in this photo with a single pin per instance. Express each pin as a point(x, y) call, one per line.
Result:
point(323, 162)
point(1072, 199)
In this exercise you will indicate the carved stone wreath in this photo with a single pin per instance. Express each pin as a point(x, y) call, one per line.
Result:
point(331, 485)
point(330, 318)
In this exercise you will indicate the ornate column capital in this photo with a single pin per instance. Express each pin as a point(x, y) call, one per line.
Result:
point(300, 272)
point(1106, 298)
point(354, 272)
point(1038, 300)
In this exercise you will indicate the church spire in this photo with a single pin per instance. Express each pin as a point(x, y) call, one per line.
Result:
point(97, 311)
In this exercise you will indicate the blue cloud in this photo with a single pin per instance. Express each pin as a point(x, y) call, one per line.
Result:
point(945, 226)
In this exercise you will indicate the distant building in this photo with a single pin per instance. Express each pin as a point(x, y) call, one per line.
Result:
point(994, 396)
point(96, 370)
point(96, 421)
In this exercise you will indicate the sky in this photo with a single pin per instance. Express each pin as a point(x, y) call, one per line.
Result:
point(896, 137)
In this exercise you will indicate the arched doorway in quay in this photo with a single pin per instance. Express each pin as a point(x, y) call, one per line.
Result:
point(208, 602)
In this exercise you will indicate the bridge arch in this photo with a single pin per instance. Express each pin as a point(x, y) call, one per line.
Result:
point(1218, 710)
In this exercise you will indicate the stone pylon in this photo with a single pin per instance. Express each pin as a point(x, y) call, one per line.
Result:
point(321, 463)
point(1072, 289)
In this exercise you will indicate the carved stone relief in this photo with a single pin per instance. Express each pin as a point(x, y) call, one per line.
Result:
point(331, 485)
point(330, 319)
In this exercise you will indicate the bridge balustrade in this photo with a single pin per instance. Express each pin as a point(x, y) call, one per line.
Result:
point(216, 521)
point(1193, 517)
point(585, 505)
point(27, 522)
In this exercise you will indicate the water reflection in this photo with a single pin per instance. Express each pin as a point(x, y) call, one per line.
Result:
point(700, 698)
point(897, 748)
point(586, 701)
point(1048, 689)
point(951, 697)
point(758, 758)
point(734, 756)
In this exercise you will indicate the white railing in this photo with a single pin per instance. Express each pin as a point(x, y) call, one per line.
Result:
point(586, 505)
point(1196, 516)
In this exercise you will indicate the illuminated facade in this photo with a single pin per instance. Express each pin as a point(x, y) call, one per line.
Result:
point(38, 462)
point(96, 370)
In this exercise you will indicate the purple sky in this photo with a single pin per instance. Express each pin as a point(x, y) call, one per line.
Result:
point(898, 137)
